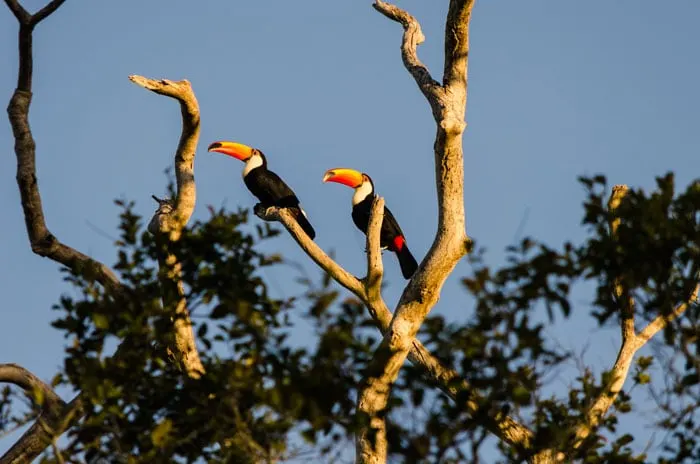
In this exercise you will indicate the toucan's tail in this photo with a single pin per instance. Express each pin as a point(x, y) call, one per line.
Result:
point(406, 261)
point(304, 222)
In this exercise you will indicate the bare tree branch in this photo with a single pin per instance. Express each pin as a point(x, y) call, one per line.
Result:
point(662, 321)
point(55, 415)
point(176, 219)
point(22, 15)
point(419, 355)
point(43, 432)
point(451, 242)
point(375, 266)
point(42, 241)
point(52, 422)
point(46, 11)
point(171, 217)
point(621, 289)
point(373, 283)
point(456, 45)
point(631, 342)
point(412, 37)
point(42, 393)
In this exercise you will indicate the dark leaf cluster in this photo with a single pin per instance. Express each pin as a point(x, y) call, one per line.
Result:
point(282, 375)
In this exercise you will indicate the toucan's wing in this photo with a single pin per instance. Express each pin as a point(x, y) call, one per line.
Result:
point(270, 188)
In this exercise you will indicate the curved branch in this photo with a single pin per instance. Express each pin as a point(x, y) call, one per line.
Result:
point(412, 37)
point(177, 218)
point(55, 420)
point(47, 427)
point(55, 415)
point(662, 321)
point(42, 393)
point(172, 216)
point(42, 241)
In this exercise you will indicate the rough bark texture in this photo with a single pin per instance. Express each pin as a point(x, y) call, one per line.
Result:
point(172, 216)
point(448, 104)
point(375, 266)
point(176, 219)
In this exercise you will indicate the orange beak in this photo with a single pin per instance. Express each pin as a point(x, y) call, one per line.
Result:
point(344, 176)
point(237, 150)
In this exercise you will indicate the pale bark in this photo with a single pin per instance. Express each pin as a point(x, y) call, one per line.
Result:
point(620, 369)
point(375, 266)
point(448, 103)
point(445, 102)
point(172, 216)
point(176, 219)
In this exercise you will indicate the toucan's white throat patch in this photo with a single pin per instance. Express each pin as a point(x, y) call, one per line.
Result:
point(252, 163)
point(362, 192)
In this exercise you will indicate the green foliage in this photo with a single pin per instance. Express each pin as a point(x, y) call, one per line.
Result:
point(265, 398)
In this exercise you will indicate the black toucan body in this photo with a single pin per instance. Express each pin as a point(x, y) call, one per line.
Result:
point(267, 186)
point(391, 236)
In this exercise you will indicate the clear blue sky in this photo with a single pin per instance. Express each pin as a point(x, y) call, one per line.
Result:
point(556, 89)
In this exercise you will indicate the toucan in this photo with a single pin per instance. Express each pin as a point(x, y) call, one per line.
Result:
point(391, 236)
point(263, 183)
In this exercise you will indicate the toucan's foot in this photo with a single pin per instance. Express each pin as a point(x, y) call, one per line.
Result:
point(381, 249)
point(260, 211)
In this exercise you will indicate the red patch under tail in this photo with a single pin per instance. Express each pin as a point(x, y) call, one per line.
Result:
point(399, 243)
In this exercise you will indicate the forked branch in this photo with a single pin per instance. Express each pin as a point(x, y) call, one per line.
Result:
point(448, 102)
point(631, 341)
point(433, 370)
